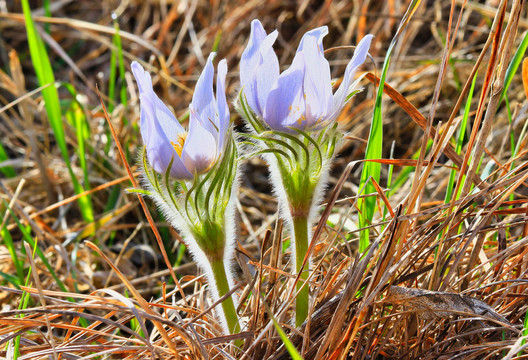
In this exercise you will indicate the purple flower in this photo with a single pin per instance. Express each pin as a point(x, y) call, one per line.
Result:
point(192, 151)
point(302, 95)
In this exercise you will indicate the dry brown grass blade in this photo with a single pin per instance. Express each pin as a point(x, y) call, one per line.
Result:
point(503, 57)
point(35, 274)
point(84, 193)
point(384, 198)
point(275, 257)
point(525, 76)
point(419, 119)
point(484, 221)
point(12, 202)
point(482, 134)
point(332, 336)
point(26, 96)
point(84, 26)
point(348, 311)
point(34, 320)
point(414, 201)
point(431, 304)
point(144, 304)
point(380, 271)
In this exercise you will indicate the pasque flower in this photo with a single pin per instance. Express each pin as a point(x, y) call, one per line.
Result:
point(192, 176)
point(301, 96)
point(191, 151)
point(292, 115)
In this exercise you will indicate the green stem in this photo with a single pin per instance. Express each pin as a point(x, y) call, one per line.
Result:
point(300, 228)
point(223, 288)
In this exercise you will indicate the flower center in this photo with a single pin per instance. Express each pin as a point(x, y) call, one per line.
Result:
point(178, 144)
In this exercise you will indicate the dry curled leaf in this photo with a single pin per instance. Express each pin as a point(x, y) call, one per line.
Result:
point(432, 304)
point(525, 75)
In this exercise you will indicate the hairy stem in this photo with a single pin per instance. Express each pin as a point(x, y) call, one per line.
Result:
point(300, 228)
point(228, 305)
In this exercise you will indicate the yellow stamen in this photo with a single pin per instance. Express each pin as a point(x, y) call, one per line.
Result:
point(180, 141)
point(301, 119)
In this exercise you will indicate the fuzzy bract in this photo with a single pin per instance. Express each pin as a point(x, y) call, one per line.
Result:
point(301, 97)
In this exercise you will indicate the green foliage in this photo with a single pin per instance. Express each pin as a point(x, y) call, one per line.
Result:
point(27, 238)
point(24, 301)
point(116, 63)
point(372, 170)
point(525, 330)
point(18, 263)
point(514, 64)
point(77, 118)
point(460, 141)
point(45, 76)
point(8, 171)
point(287, 342)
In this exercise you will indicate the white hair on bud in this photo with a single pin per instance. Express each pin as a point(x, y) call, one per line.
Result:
point(280, 194)
point(284, 209)
point(169, 211)
point(230, 229)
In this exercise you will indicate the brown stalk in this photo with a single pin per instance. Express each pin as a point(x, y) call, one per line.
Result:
point(504, 51)
point(417, 117)
point(142, 302)
point(38, 284)
point(419, 179)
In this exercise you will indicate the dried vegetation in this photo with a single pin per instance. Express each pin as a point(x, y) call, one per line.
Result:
point(442, 278)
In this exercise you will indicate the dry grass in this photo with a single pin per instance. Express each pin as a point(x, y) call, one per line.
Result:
point(440, 280)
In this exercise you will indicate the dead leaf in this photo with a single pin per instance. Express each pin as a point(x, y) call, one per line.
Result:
point(432, 304)
point(525, 76)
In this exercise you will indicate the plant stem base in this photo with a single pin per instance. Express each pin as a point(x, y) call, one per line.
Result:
point(300, 228)
point(228, 305)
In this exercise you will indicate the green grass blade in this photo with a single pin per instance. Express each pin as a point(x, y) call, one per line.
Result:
point(27, 237)
point(45, 76)
point(525, 331)
point(112, 78)
point(123, 90)
point(24, 301)
point(389, 179)
point(8, 243)
point(179, 254)
point(8, 171)
point(514, 64)
point(375, 141)
point(217, 39)
point(116, 62)
point(47, 12)
point(44, 72)
point(287, 343)
point(13, 280)
point(77, 117)
point(460, 140)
